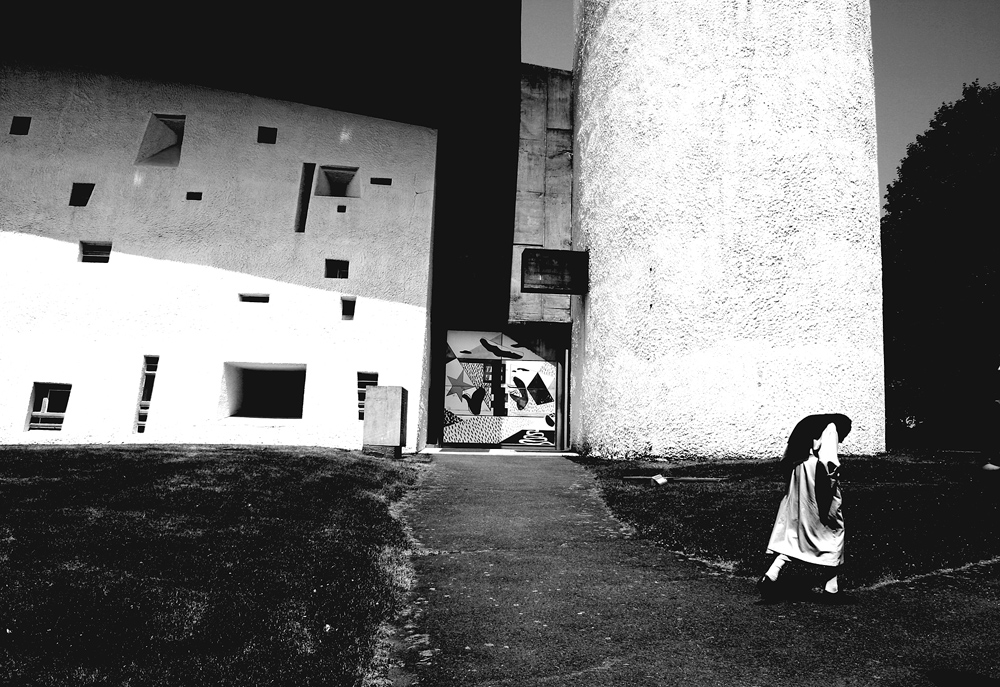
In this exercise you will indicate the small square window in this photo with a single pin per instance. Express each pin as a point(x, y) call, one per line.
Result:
point(267, 134)
point(80, 195)
point(48, 406)
point(95, 251)
point(341, 208)
point(337, 269)
point(347, 305)
point(19, 126)
point(193, 195)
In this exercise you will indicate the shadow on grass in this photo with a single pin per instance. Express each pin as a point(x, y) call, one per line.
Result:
point(904, 516)
point(194, 565)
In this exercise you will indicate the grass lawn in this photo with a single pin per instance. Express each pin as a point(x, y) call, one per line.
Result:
point(182, 565)
point(905, 516)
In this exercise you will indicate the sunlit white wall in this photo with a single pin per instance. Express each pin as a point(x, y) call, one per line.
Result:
point(727, 191)
point(177, 266)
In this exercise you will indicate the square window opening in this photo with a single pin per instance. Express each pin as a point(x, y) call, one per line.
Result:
point(19, 126)
point(339, 182)
point(267, 134)
point(337, 269)
point(264, 390)
point(47, 407)
point(341, 208)
point(95, 251)
point(79, 196)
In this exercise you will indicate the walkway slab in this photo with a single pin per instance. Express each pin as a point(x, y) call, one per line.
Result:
point(524, 578)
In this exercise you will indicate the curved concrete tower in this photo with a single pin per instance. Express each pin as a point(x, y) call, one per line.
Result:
point(727, 191)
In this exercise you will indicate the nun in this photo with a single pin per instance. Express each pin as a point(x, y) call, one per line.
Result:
point(809, 526)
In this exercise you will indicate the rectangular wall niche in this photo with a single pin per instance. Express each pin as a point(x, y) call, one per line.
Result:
point(339, 182)
point(365, 380)
point(19, 126)
point(79, 196)
point(255, 298)
point(337, 269)
point(347, 305)
point(305, 186)
point(161, 144)
point(48, 406)
point(149, 367)
point(270, 390)
point(95, 251)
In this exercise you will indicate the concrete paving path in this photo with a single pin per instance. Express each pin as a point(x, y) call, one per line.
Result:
point(524, 578)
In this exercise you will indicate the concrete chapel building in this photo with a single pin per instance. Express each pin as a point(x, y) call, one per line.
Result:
point(687, 264)
point(186, 265)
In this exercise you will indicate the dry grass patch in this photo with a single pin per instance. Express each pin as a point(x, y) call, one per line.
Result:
point(196, 565)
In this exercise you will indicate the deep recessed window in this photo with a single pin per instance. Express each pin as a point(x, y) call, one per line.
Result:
point(268, 390)
point(365, 380)
point(340, 182)
point(382, 181)
point(267, 134)
point(337, 269)
point(347, 305)
point(19, 126)
point(48, 406)
point(149, 366)
point(341, 208)
point(95, 251)
point(255, 298)
point(161, 144)
point(80, 194)
point(193, 195)
point(305, 188)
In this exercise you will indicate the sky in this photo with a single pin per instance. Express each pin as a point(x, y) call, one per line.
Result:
point(924, 50)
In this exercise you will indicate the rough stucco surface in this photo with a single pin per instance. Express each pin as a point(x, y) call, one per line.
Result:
point(171, 287)
point(727, 192)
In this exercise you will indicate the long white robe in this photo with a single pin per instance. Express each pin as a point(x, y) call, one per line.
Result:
point(799, 530)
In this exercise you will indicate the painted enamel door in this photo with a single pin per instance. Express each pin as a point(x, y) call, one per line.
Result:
point(498, 393)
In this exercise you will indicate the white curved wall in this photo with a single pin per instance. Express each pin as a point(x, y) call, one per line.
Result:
point(171, 286)
point(727, 192)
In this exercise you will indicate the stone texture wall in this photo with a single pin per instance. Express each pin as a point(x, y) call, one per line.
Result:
point(726, 188)
point(177, 265)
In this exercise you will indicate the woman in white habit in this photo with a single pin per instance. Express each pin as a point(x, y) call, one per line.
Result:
point(810, 524)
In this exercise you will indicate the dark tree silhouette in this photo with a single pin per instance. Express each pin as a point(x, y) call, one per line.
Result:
point(940, 272)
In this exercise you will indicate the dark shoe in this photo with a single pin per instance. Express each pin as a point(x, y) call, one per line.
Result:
point(767, 588)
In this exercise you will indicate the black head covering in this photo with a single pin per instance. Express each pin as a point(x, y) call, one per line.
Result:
point(810, 428)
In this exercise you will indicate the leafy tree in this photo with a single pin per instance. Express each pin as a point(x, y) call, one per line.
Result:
point(941, 279)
